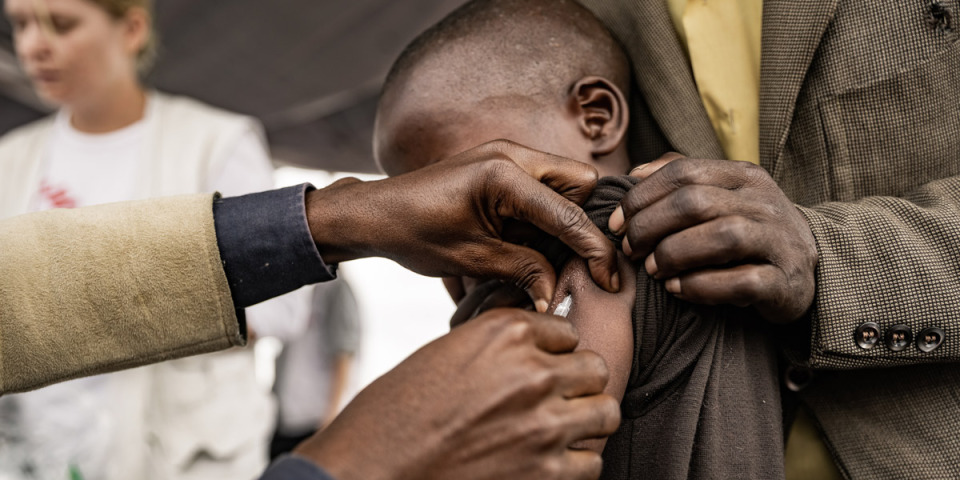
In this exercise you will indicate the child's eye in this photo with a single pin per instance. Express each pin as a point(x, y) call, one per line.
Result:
point(63, 25)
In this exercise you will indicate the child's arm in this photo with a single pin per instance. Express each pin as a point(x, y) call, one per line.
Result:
point(604, 322)
point(603, 319)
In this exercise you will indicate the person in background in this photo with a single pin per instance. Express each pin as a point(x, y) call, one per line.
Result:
point(113, 139)
point(313, 368)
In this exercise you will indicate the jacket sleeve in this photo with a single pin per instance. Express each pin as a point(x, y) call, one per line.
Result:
point(99, 289)
point(890, 262)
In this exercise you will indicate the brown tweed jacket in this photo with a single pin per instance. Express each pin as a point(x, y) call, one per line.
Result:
point(860, 126)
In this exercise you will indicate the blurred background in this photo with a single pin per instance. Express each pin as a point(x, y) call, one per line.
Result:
point(310, 71)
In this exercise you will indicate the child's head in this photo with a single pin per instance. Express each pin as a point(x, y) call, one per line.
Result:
point(543, 73)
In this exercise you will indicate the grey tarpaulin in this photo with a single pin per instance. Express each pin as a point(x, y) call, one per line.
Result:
point(309, 69)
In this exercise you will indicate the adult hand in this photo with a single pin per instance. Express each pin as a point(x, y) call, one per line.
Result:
point(720, 232)
point(485, 296)
point(449, 218)
point(499, 397)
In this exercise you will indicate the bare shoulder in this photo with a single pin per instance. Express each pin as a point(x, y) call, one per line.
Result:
point(604, 321)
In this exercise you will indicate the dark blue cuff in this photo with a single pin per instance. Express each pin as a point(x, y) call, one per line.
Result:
point(266, 246)
point(292, 467)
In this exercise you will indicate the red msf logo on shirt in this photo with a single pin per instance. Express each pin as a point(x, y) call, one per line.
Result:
point(56, 197)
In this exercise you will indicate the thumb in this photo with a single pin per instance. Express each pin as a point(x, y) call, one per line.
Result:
point(647, 169)
point(561, 218)
point(572, 179)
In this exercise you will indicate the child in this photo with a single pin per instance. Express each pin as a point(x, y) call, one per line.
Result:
point(699, 394)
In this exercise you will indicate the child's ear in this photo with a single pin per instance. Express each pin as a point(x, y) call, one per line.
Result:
point(602, 112)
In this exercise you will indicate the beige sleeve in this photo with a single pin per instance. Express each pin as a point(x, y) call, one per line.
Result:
point(104, 288)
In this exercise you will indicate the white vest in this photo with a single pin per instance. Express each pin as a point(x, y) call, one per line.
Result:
point(189, 141)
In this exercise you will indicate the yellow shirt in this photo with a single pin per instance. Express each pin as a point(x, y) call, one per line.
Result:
point(722, 39)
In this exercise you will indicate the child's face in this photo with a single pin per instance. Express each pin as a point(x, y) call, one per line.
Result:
point(411, 136)
point(420, 127)
point(415, 132)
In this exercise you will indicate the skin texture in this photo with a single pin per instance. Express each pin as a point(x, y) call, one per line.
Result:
point(419, 125)
point(603, 319)
point(500, 397)
point(422, 124)
point(448, 218)
point(604, 322)
point(720, 232)
point(78, 56)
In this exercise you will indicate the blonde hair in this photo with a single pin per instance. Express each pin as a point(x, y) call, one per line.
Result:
point(118, 9)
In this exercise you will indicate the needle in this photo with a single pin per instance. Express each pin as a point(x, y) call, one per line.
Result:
point(563, 309)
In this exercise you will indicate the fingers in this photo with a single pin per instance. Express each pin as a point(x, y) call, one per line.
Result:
point(525, 267)
point(582, 373)
point(741, 285)
point(572, 179)
point(563, 219)
point(581, 465)
point(681, 209)
point(591, 417)
point(549, 333)
point(553, 334)
point(679, 173)
point(647, 169)
point(717, 243)
point(765, 287)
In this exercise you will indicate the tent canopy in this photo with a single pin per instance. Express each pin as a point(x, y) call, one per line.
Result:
point(310, 70)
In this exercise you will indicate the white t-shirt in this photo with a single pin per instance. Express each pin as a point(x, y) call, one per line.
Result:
point(77, 422)
point(85, 169)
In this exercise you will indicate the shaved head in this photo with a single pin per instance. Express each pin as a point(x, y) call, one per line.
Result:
point(538, 44)
point(493, 58)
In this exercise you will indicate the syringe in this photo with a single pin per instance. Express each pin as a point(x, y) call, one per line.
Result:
point(563, 309)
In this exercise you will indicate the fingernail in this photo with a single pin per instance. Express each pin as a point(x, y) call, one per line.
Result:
point(636, 170)
point(673, 286)
point(616, 220)
point(626, 247)
point(615, 282)
point(541, 305)
point(651, 265)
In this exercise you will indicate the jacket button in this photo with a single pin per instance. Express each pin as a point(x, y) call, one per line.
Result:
point(797, 378)
point(929, 339)
point(898, 337)
point(867, 335)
